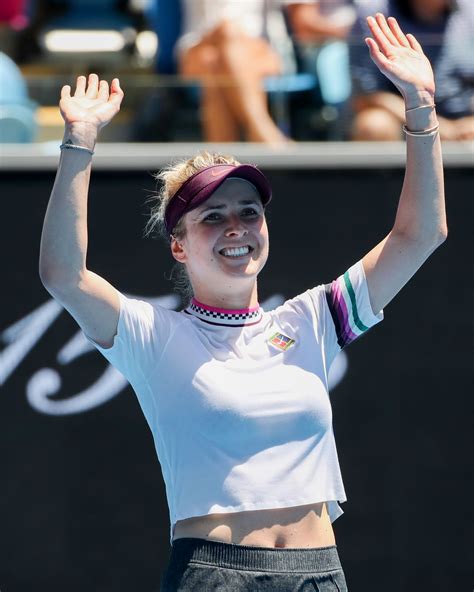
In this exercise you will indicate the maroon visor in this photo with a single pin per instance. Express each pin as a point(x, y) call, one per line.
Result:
point(200, 186)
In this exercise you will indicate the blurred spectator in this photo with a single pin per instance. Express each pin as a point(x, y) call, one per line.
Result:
point(320, 30)
point(315, 22)
point(445, 29)
point(13, 13)
point(231, 46)
point(13, 19)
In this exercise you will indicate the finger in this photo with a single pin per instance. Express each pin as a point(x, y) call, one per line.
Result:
point(380, 18)
point(93, 86)
point(66, 92)
point(80, 86)
point(116, 94)
point(399, 34)
point(103, 90)
point(377, 56)
point(379, 36)
point(414, 43)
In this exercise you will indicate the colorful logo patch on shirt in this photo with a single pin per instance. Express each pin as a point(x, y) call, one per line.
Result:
point(281, 341)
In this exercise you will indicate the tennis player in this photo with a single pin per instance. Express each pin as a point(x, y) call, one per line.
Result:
point(236, 397)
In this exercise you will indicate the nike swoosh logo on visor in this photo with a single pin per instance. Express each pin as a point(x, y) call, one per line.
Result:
point(218, 173)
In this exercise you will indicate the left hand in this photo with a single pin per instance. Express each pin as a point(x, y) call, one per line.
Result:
point(401, 59)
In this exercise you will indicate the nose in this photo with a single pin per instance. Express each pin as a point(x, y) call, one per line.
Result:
point(236, 227)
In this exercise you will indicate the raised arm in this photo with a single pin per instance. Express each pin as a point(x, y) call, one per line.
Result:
point(420, 223)
point(91, 300)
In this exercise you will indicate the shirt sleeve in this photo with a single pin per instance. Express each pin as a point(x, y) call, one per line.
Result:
point(347, 309)
point(339, 312)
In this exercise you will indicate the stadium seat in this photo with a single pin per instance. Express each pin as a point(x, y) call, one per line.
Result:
point(332, 70)
point(17, 124)
point(17, 110)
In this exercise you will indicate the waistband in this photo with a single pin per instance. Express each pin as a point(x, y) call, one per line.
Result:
point(234, 556)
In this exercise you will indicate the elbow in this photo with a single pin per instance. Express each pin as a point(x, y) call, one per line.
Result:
point(431, 237)
point(47, 273)
point(442, 235)
point(50, 280)
point(435, 240)
point(57, 281)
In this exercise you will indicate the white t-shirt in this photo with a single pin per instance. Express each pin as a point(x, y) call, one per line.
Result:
point(201, 16)
point(237, 401)
point(341, 12)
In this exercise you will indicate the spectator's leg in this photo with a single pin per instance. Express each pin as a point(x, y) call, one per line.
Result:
point(375, 124)
point(457, 129)
point(245, 61)
point(218, 120)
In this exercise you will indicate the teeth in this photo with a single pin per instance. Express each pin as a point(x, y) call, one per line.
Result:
point(236, 252)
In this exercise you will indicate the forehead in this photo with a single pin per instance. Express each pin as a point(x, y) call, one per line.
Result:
point(233, 189)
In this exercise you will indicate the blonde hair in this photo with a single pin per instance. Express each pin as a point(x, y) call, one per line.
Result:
point(172, 177)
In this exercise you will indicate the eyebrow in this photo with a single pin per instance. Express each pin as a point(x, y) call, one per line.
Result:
point(244, 202)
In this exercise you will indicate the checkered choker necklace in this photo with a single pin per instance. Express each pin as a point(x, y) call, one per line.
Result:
point(224, 316)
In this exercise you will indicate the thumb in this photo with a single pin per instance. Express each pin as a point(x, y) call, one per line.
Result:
point(116, 93)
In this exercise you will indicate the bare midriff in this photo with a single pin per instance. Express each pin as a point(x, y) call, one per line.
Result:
point(297, 527)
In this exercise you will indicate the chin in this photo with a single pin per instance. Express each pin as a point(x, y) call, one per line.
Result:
point(245, 269)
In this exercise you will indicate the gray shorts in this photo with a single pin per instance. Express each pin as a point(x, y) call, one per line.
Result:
point(209, 566)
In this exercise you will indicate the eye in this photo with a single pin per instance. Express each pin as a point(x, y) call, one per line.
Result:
point(211, 218)
point(250, 212)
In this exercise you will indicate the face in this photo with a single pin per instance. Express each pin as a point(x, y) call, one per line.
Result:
point(233, 217)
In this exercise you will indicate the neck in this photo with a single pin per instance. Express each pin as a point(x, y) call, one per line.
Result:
point(235, 300)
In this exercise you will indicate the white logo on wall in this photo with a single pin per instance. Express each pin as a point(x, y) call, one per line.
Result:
point(21, 337)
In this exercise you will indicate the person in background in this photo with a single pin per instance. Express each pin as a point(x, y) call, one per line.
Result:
point(315, 22)
point(320, 30)
point(445, 29)
point(14, 18)
point(231, 46)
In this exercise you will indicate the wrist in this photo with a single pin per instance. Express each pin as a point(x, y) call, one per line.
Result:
point(81, 134)
point(421, 118)
point(418, 98)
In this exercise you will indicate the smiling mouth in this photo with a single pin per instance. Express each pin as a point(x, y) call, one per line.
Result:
point(236, 252)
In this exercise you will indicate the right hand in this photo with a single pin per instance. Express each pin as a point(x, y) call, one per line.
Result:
point(92, 103)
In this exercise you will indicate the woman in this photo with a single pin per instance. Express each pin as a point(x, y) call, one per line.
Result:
point(446, 30)
point(227, 46)
point(251, 472)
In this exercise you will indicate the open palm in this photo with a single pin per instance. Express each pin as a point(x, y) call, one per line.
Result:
point(92, 102)
point(400, 57)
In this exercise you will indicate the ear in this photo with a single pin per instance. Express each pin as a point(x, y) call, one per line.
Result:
point(177, 250)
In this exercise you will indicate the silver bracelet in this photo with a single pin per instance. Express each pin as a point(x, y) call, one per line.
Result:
point(422, 107)
point(74, 147)
point(429, 132)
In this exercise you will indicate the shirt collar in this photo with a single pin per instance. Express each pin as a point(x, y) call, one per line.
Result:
point(224, 316)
